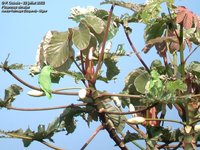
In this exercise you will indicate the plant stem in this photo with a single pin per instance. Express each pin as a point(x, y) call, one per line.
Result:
point(44, 109)
point(127, 113)
point(92, 136)
point(50, 145)
point(138, 130)
point(182, 62)
point(135, 50)
point(175, 63)
point(36, 88)
point(120, 95)
point(99, 63)
point(166, 120)
point(191, 53)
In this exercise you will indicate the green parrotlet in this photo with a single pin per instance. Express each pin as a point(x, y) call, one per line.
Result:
point(45, 80)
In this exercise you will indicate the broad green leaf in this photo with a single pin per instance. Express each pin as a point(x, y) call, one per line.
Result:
point(44, 80)
point(131, 137)
point(95, 23)
point(55, 50)
point(154, 87)
point(81, 36)
point(68, 117)
point(141, 81)
point(53, 126)
point(78, 13)
point(154, 30)
point(157, 65)
point(113, 29)
point(117, 120)
point(194, 68)
point(112, 69)
point(130, 79)
point(173, 86)
point(12, 91)
point(10, 94)
point(103, 14)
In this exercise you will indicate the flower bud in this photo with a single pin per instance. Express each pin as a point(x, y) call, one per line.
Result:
point(197, 127)
point(82, 93)
point(35, 93)
point(136, 120)
point(132, 108)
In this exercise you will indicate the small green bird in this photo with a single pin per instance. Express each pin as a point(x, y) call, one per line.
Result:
point(44, 80)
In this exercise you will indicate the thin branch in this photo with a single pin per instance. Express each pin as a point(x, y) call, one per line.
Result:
point(78, 66)
point(120, 95)
point(81, 70)
point(82, 62)
point(195, 121)
point(191, 53)
point(92, 136)
point(135, 50)
point(166, 146)
point(166, 120)
point(99, 63)
point(138, 130)
point(48, 108)
point(34, 87)
point(170, 15)
point(50, 145)
point(127, 113)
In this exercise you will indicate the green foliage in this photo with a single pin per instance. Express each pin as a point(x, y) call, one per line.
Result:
point(44, 80)
point(28, 136)
point(117, 121)
point(141, 81)
point(155, 29)
point(160, 86)
point(194, 68)
point(81, 37)
point(10, 95)
point(112, 69)
point(174, 86)
point(15, 66)
point(55, 50)
point(154, 87)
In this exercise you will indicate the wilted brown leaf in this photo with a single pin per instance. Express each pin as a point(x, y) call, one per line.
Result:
point(187, 18)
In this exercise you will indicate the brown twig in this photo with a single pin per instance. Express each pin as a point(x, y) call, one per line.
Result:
point(50, 145)
point(81, 70)
point(36, 88)
point(135, 50)
point(191, 53)
point(48, 108)
point(99, 63)
point(120, 95)
point(127, 113)
point(138, 130)
point(166, 146)
point(82, 62)
point(92, 136)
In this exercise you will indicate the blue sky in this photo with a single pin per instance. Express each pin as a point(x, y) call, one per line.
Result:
point(20, 35)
